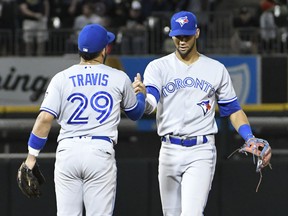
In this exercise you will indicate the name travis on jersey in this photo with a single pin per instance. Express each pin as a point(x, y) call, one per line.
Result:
point(89, 79)
point(187, 82)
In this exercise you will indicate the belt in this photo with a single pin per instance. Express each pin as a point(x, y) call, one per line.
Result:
point(188, 142)
point(102, 138)
point(96, 137)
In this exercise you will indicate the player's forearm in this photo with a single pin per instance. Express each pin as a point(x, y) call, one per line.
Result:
point(238, 118)
point(39, 134)
point(43, 124)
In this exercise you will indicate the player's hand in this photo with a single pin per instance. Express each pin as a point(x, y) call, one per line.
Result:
point(138, 86)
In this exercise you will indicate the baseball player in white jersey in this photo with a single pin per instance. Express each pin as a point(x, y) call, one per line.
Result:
point(185, 87)
point(86, 99)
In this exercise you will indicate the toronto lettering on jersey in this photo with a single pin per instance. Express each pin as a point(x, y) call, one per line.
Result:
point(188, 82)
point(89, 79)
point(12, 82)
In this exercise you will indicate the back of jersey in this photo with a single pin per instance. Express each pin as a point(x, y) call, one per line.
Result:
point(86, 100)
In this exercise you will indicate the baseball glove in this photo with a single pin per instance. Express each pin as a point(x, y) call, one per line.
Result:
point(29, 181)
point(261, 150)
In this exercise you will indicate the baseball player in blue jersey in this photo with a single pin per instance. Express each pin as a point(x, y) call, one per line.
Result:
point(185, 87)
point(86, 100)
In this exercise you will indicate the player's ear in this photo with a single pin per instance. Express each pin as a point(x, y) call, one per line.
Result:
point(197, 33)
point(103, 52)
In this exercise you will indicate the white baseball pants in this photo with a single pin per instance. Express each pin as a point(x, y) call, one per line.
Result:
point(85, 173)
point(185, 177)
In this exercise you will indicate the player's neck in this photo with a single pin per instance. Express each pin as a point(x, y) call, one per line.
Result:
point(190, 58)
point(91, 62)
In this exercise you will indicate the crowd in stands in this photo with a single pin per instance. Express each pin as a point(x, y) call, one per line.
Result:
point(129, 20)
point(260, 29)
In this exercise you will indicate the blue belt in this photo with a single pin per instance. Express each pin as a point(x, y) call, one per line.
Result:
point(184, 142)
point(102, 138)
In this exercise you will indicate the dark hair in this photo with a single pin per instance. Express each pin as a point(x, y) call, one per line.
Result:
point(89, 56)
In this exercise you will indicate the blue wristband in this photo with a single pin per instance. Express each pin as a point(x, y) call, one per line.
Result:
point(36, 142)
point(245, 132)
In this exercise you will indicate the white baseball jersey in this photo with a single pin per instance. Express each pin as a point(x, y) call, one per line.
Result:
point(191, 91)
point(85, 97)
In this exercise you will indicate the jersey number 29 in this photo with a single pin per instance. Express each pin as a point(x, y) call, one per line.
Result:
point(101, 102)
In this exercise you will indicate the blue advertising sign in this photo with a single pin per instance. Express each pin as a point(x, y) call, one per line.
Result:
point(133, 65)
point(245, 75)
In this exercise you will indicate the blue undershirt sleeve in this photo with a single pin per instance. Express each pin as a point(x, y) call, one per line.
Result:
point(226, 109)
point(139, 109)
point(152, 90)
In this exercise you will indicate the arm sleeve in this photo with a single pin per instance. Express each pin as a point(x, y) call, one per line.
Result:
point(152, 79)
point(153, 83)
point(152, 99)
point(137, 112)
point(226, 96)
point(225, 92)
point(226, 109)
point(51, 102)
point(129, 100)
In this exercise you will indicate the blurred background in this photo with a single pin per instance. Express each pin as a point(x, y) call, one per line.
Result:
point(250, 37)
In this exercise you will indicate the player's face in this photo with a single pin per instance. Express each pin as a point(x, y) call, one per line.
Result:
point(185, 44)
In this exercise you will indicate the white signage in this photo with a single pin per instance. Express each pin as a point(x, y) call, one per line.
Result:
point(23, 80)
